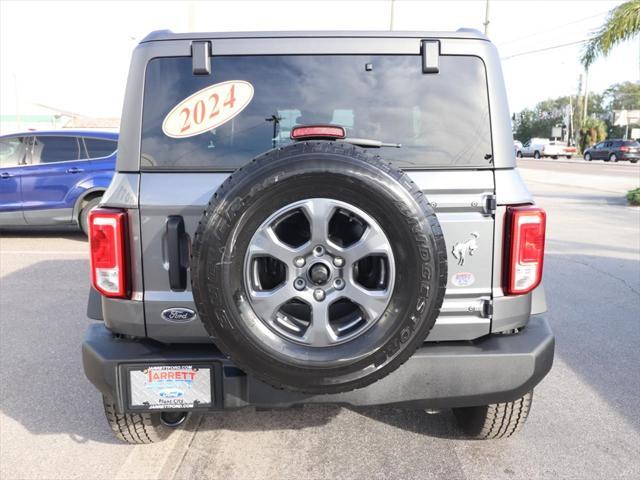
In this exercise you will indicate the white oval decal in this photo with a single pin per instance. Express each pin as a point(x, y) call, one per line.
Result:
point(207, 109)
point(463, 279)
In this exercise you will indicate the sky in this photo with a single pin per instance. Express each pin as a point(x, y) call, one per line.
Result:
point(75, 55)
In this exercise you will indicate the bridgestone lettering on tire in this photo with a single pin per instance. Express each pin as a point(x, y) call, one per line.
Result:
point(318, 267)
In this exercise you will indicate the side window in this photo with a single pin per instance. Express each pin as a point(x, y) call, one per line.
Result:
point(13, 151)
point(98, 147)
point(55, 149)
point(600, 145)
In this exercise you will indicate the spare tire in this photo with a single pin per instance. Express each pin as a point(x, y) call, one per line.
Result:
point(318, 267)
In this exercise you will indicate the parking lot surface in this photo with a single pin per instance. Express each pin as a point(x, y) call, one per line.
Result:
point(584, 423)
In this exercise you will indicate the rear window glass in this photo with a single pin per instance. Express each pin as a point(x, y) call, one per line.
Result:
point(98, 147)
point(439, 119)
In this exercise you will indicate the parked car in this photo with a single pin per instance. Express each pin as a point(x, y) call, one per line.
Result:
point(54, 177)
point(613, 150)
point(543, 147)
point(373, 257)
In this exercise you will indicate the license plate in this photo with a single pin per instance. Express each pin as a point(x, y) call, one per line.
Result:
point(170, 386)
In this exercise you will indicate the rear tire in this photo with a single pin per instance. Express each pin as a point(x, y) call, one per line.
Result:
point(536, 155)
point(500, 420)
point(613, 158)
point(140, 428)
point(568, 157)
point(519, 154)
point(633, 161)
point(84, 214)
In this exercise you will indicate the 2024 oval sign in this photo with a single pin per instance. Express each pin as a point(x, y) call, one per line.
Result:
point(207, 109)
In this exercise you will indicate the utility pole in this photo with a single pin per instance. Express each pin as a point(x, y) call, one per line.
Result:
point(18, 119)
point(570, 139)
point(486, 18)
point(393, 4)
point(586, 95)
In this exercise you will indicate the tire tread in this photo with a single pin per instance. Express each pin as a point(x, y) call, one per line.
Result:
point(500, 420)
point(134, 428)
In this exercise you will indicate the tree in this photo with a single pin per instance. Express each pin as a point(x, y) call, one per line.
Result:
point(620, 96)
point(623, 23)
point(593, 131)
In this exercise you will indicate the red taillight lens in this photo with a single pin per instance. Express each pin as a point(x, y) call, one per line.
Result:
point(525, 241)
point(317, 131)
point(107, 230)
point(624, 149)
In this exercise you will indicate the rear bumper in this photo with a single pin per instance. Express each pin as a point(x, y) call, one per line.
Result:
point(495, 369)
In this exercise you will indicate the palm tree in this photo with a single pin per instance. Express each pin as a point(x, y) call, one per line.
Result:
point(622, 24)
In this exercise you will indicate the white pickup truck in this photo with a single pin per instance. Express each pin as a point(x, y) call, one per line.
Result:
point(543, 147)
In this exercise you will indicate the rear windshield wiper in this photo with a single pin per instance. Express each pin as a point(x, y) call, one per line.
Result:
point(367, 143)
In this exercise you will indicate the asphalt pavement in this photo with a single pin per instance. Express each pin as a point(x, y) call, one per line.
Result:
point(584, 424)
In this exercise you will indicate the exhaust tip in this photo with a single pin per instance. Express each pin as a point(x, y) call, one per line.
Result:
point(173, 419)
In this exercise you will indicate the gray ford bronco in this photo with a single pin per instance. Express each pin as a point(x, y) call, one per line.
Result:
point(316, 218)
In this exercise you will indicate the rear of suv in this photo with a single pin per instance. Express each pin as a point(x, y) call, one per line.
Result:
point(316, 218)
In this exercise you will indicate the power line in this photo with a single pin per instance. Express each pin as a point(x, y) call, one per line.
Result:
point(543, 49)
point(551, 29)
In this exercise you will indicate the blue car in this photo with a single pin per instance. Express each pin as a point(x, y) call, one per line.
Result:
point(54, 177)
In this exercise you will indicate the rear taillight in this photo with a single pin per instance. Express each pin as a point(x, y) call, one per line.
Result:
point(107, 230)
point(524, 238)
point(624, 149)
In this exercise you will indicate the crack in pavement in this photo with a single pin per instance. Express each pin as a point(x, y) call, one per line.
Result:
point(604, 272)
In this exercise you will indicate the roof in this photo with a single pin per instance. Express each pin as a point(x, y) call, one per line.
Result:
point(93, 122)
point(465, 33)
point(68, 132)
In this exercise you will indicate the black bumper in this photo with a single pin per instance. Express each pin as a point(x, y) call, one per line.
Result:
point(497, 368)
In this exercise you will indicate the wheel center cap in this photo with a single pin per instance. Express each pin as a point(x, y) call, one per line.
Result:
point(319, 274)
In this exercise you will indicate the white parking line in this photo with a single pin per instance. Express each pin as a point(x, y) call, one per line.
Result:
point(43, 252)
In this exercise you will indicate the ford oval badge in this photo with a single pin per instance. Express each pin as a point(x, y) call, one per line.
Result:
point(178, 314)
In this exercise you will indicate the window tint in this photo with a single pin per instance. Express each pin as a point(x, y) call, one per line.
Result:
point(13, 151)
point(98, 147)
point(55, 149)
point(631, 143)
point(440, 120)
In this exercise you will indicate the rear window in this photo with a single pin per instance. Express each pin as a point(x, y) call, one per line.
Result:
point(98, 147)
point(439, 119)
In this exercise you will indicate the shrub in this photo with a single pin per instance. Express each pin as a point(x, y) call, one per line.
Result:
point(633, 196)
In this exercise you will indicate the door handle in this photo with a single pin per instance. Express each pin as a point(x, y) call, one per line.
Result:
point(74, 170)
point(177, 253)
point(5, 175)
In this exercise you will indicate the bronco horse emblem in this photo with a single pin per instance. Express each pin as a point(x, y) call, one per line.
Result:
point(461, 249)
